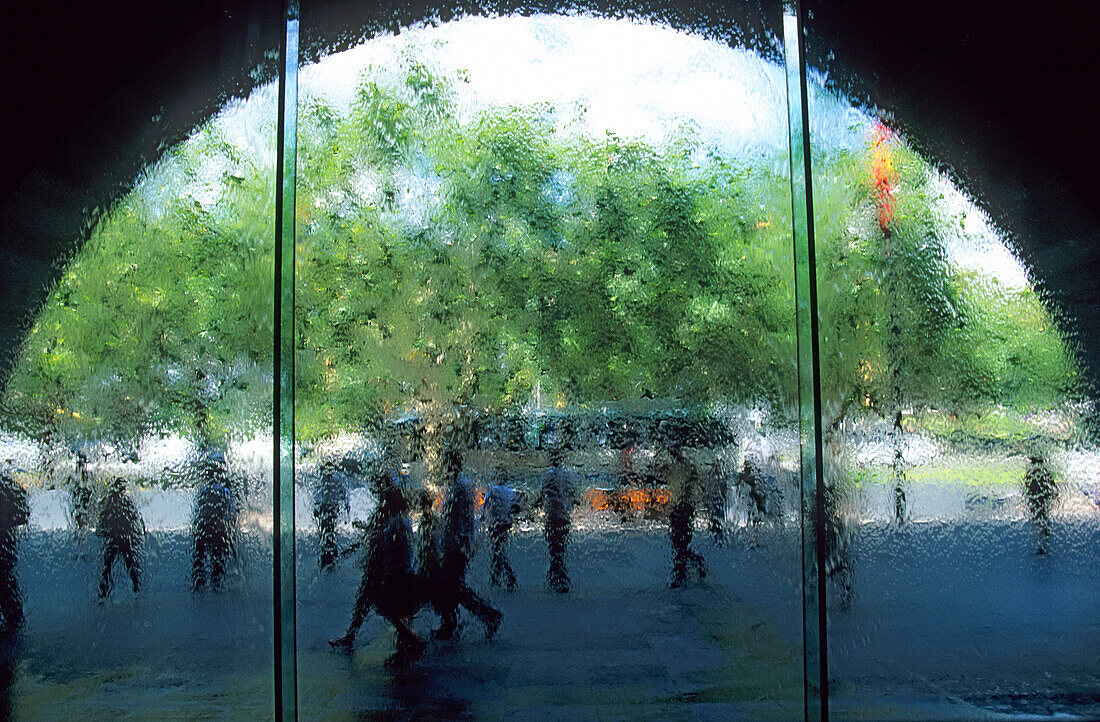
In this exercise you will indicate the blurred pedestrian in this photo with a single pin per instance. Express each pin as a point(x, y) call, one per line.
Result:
point(836, 538)
point(427, 536)
point(80, 492)
point(717, 500)
point(683, 483)
point(752, 484)
point(330, 503)
point(557, 506)
point(1040, 491)
point(123, 531)
point(500, 503)
point(390, 583)
point(14, 513)
point(448, 587)
point(213, 522)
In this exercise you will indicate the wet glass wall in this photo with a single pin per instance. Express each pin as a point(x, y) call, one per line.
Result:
point(554, 422)
point(960, 518)
point(546, 389)
point(135, 488)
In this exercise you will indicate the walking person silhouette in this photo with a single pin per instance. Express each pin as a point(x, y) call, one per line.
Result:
point(449, 590)
point(330, 502)
point(683, 483)
point(557, 505)
point(1040, 491)
point(390, 583)
point(213, 523)
point(500, 504)
point(14, 513)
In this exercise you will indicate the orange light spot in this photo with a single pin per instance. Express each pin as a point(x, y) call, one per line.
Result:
point(636, 499)
point(630, 500)
point(884, 175)
point(597, 499)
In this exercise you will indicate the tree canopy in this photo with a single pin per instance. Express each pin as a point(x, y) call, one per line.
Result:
point(901, 321)
point(490, 257)
point(478, 258)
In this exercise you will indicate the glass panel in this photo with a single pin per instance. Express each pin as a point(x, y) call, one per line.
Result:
point(546, 370)
point(815, 659)
point(960, 521)
point(286, 671)
point(135, 495)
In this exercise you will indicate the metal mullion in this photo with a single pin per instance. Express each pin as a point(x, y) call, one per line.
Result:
point(814, 627)
point(284, 582)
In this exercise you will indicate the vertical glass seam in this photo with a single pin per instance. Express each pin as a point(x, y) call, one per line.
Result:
point(283, 556)
point(815, 656)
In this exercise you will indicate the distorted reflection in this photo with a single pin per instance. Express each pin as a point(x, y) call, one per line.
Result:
point(543, 307)
point(134, 419)
point(547, 408)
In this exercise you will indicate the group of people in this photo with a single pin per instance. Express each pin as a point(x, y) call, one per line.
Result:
point(402, 571)
point(117, 522)
point(401, 576)
point(214, 526)
point(405, 571)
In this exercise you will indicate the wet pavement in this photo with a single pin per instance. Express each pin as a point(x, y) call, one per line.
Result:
point(620, 646)
point(953, 619)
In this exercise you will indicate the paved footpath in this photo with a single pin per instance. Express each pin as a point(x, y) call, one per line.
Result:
point(948, 621)
point(620, 646)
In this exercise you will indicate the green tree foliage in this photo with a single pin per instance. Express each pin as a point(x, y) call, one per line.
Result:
point(904, 326)
point(466, 263)
point(162, 320)
point(454, 256)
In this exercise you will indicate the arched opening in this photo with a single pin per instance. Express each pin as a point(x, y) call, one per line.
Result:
point(544, 262)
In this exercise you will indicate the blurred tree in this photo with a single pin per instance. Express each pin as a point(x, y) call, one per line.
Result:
point(904, 330)
point(457, 258)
